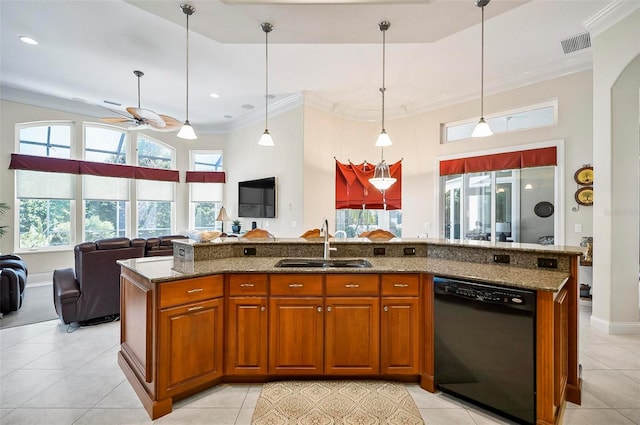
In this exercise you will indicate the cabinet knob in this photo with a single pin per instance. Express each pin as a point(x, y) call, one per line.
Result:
point(263, 308)
point(191, 291)
point(329, 308)
point(386, 308)
point(319, 309)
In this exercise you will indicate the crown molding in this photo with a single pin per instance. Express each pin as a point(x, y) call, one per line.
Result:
point(610, 15)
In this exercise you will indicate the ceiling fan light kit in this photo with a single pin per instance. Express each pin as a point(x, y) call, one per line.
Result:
point(482, 129)
point(186, 132)
point(266, 139)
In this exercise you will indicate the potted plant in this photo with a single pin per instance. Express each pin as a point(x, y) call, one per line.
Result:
point(235, 226)
point(4, 207)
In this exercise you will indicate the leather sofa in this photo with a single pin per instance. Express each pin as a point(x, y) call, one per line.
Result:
point(162, 245)
point(92, 291)
point(13, 279)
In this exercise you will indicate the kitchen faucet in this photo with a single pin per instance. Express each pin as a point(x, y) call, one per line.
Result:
point(327, 248)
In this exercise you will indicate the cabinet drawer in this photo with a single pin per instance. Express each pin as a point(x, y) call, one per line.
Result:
point(296, 284)
point(247, 284)
point(401, 284)
point(190, 290)
point(352, 284)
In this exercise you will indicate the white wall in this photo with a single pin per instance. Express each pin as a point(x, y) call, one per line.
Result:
point(616, 85)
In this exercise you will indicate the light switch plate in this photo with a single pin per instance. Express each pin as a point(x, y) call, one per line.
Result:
point(578, 228)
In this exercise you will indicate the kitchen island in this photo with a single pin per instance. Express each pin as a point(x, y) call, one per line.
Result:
point(224, 312)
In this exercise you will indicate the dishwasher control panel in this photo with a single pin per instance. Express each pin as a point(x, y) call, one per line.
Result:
point(483, 293)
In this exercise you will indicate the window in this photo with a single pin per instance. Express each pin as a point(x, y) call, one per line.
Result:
point(206, 198)
point(525, 118)
point(45, 200)
point(155, 199)
point(106, 199)
point(352, 222)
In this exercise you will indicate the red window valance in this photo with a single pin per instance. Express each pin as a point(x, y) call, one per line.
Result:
point(206, 177)
point(502, 161)
point(74, 166)
point(353, 189)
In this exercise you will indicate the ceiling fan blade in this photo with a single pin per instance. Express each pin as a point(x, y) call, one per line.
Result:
point(171, 123)
point(116, 119)
point(147, 116)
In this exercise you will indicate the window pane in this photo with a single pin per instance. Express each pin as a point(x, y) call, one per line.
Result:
point(154, 218)
point(536, 185)
point(477, 200)
point(452, 192)
point(104, 219)
point(154, 154)
point(105, 145)
point(44, 223)
point(205, 215)
point(53, 141)
point(350, 222)
point(211, 161)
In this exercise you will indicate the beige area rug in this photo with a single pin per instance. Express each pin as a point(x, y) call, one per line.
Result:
point(335, 402)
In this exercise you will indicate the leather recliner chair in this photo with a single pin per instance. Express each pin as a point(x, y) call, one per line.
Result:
point(162, 245)
point(93, 291)
point(13, 279)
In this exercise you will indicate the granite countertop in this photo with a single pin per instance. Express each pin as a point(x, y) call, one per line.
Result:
point(164, 269)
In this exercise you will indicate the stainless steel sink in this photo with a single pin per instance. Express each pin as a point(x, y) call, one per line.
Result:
point(321, 263)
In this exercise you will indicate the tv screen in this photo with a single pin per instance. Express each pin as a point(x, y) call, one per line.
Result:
point(257, 198)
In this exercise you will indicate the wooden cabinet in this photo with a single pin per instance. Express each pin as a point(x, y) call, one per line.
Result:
point(247, 329)
point(400, 324)
point(190, 309)
point(561, 346)
point(296, 325)
point(352, 325)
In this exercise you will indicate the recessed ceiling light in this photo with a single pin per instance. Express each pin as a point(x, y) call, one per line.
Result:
point(214, 95)
point(248, 106)
point(28, 40)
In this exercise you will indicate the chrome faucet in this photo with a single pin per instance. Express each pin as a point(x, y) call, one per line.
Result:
point(327, 247)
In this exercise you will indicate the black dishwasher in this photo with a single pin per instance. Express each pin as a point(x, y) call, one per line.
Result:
point(485, 346)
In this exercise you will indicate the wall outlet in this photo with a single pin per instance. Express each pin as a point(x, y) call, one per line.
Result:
point(409, 251)
point(578, 228)
point(548, 263)
point(249, 251)
point(501, 258)
point(379, 251)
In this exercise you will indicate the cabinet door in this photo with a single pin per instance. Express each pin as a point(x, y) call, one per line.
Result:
point(189, 346)
point(295, 335)
point(247, 336)
point(400, 335)
point(352, 341)
point(560, 346)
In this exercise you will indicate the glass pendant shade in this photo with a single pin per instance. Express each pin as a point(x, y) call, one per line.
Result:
point(383, 139)
point(266, 139)
point(186, 132)
point(382, 179)
point(482, 129)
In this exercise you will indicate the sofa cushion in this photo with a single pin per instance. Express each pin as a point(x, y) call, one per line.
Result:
point(113, 243)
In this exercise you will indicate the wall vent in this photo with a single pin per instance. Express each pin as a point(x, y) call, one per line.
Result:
point(576, 42)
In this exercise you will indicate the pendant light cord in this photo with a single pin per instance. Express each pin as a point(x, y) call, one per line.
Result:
point(266, 79)
point(384, 33)
point(482, 67)
point(187, 67)
point(138, 90)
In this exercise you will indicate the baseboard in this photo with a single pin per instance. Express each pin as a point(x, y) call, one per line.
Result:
point(615, 328)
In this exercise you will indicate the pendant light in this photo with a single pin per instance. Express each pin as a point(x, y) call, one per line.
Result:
point(186, 132)
point(382, 179)
point(383, 138)
point(266, 139)
point(482, 129)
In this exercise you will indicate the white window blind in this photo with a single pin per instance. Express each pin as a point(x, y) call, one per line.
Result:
point(42, 185)
point(206, 192)
point(149, 190)
point(105, 188)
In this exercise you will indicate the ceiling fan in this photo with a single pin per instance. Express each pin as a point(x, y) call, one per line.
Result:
point(143, 119)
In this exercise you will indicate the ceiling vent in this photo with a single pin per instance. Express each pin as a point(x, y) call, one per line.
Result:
point(575, 43)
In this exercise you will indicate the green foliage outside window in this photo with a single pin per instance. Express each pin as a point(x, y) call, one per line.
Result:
point(44, 222)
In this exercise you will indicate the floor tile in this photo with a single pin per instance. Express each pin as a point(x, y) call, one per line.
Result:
point(21, 385)
point(224, 395)
point(186, 416)
point(43, 416)
point(115, 417)
point(244, 417)
point(613, 388)
point(122, 397)
point(446, 417)
point(633, 414)
point(595, 417)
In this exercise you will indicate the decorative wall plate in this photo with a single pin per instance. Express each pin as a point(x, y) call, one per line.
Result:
point(543, 209)
point(584, 196)
point(584, 176)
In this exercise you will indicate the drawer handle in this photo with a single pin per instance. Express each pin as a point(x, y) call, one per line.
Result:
point(386, 308)
point(351, 285)
point(400, 285)
point(195, 308)
point(247, 285)
point(295, 285)
point(191, 291)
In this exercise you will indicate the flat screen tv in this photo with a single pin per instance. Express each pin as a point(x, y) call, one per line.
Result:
point(257, 198)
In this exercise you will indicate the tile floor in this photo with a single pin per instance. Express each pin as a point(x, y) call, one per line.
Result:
point(49, 376)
